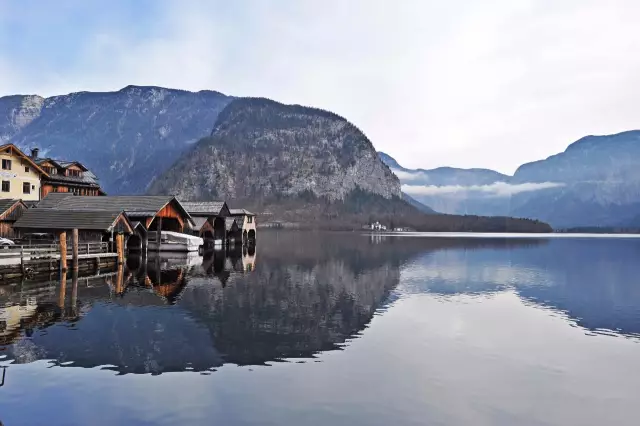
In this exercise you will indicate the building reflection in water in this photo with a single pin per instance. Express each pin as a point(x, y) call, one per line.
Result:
point(311, 292)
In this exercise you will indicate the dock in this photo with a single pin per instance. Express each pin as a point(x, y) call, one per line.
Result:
point(30, 261)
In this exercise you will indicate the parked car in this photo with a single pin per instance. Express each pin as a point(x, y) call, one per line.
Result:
point(5, 242)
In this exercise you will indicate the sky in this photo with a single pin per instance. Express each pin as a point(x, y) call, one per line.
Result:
point(463, 83)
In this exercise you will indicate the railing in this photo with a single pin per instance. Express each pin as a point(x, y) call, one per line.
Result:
point(40, 251)
point(91, 248)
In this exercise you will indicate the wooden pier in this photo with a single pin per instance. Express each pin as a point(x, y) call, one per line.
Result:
point(29, 261)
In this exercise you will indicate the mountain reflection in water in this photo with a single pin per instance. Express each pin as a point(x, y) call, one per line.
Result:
point(305, 293)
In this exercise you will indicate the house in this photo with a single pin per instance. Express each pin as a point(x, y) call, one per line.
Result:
point(246, 222)
point(10, 211)
point(20, 176)
point(209, 218)
point(93, 226)
point(377, 226)
point(66, 176)
point(153, 212)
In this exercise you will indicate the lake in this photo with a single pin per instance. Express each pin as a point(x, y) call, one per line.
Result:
point(334, 329)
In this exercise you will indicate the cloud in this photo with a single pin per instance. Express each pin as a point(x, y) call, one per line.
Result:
point(497, 189)
point(409, 176)
point(432, 83)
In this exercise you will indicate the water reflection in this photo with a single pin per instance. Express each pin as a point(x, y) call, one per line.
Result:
point(311, 292)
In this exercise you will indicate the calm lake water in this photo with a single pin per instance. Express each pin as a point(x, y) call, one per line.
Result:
point(334, 329)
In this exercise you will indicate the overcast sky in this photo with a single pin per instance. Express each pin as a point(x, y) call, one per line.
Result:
point(460, 83)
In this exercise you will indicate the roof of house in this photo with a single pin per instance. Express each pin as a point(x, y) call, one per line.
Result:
point(54, 219)
point(87, 178)
point(135, 225)
point(198, 222)
point(136, 206)
point(240, 212)
point(6, 204)
point(6, 214)
point(197, 208)
point(24, 156)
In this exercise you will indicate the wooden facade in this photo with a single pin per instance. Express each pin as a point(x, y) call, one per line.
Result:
point(171, 218)
point(66, 177)
point(48, 188)
point(12, 212)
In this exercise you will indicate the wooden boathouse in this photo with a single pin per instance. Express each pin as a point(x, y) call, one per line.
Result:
point(246, 226)
point(209, 219)
point(147, 212)
point(84, 231)
point(10, 212)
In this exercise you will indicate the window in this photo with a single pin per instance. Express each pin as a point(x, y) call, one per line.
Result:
point(75, 173)
point(6, 185)
point(50, 170)
point(26, 188)
point(27, 169)
point(6, 164)
point(249, 219)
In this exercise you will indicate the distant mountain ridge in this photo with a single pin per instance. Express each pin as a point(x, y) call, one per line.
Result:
point(594, 182)
point(126, 137)
point(306, 167)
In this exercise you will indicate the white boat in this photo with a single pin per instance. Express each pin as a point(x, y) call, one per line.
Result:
point(174, 241)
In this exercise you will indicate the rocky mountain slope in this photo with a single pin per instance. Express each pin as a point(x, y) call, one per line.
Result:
point(306, 167)
point(261, 149)
point(126, 137)
point(594, 182)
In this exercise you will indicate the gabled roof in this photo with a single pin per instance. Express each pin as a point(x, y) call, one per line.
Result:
point(228, 223)
point(135, 206)
point(63, 164)
point(138, 227)
point(209, 208)
point(198, 222)
point(6, 214)
point(55, 219)
point(24, 156)
point(240, 212)
point(7, 203)
point(87, 178)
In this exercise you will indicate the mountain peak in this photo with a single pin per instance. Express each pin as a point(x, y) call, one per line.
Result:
point(262, 149)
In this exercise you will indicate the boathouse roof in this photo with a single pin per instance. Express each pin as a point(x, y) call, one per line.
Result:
point(133, 205)
point(7, 210)
point(228, 223)
point(206, 208)
point(58, 219)
point(240, 212)
point(198, 222)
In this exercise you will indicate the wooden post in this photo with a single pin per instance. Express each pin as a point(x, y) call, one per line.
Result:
point(158, 233)
point(120, 248)
point(74, 291)
point(74, 248)
point(22, 259)
point(63, 288)
point(88, 249)
point(63, 250)
point(119, 276)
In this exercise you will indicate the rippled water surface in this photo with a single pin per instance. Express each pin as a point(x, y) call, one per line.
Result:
point(334, 329)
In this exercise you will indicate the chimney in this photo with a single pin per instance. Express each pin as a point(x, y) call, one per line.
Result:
point(34, 152)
